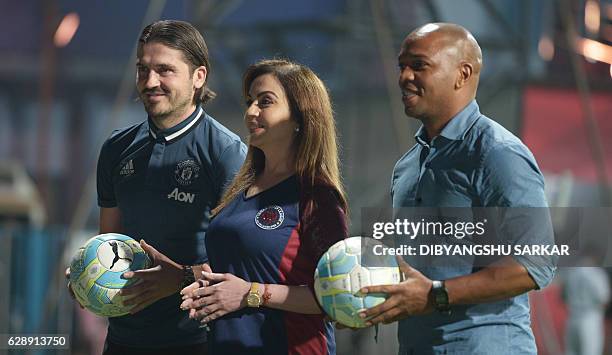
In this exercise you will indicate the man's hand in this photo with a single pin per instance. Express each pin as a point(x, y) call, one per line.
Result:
point(198, 269)
point(67, 274)
point(162, 280)
point(409, 297)
point(206, 303)
point(187, 293)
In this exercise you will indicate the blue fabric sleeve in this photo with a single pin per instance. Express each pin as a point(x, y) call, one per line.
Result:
point(104, 178)
point(228, 164)
point(511, 180)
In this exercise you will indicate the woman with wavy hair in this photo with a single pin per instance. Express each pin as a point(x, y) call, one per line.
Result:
point(283, 210)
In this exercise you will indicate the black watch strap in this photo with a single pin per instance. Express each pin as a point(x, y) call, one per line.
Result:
point(188, 277)
point(440, 297)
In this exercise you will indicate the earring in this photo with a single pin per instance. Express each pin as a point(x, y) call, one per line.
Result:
point(297, 129)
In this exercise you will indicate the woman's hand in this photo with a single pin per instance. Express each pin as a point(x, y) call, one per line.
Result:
point(215, 296)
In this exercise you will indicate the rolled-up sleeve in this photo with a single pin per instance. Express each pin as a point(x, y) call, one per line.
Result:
point(511, 181)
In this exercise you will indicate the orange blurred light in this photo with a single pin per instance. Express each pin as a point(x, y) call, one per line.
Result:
point(592, 16)
point(594, 50)
point(546, 48)
point(66, 29)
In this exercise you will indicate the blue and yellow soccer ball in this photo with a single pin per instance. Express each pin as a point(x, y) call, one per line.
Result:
point(342, 271)
point(96, 269)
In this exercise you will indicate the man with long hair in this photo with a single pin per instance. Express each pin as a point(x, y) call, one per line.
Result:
point(159, 180)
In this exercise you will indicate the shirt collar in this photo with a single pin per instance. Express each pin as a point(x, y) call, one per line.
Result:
point(177, 130)
point(457, 127)
point(421, 136)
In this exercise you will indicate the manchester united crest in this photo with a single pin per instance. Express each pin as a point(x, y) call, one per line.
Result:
point(186, 172)
point(270, 217)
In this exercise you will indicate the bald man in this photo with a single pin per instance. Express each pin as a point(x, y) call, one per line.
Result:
point(461, 159)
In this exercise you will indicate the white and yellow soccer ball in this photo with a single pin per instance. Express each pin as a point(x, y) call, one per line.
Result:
point(96, 269)
point(342, 271)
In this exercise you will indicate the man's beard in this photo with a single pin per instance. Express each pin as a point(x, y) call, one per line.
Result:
point(157, 113)
point(171, 109)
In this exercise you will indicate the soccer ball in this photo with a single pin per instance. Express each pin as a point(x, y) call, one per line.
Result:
point(96, 269)
point(342, 271)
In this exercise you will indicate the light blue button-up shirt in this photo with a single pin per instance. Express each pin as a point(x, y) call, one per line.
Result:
point(474, 162)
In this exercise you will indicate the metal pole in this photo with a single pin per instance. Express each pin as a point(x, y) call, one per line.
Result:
point(388, 55)
point(590, 123)
point(48, 63)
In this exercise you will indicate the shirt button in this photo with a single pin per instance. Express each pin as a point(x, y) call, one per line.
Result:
point(427, 165)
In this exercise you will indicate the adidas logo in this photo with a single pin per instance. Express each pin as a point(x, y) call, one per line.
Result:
point(128, 169)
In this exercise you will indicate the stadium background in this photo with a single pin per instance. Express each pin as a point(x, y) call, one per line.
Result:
point(67, 79)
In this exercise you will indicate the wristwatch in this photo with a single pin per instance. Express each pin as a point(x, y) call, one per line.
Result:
point(440, 297)
point(253, 298)
point(188, 277)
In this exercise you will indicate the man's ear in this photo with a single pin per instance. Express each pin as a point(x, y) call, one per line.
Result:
point(199, 77)
point(464, 73)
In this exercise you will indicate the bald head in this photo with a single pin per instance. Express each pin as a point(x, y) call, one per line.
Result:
point(439, 71)
point(453, 38)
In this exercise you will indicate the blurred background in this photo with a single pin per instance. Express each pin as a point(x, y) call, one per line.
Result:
point(67, 80)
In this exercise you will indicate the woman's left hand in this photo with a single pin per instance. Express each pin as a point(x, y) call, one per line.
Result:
point(227, 294)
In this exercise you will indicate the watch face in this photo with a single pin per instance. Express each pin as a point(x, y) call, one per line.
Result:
point(253, 300)
point(440, 297)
